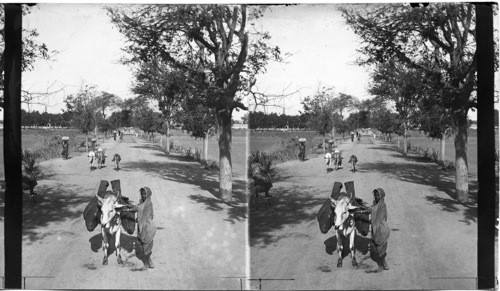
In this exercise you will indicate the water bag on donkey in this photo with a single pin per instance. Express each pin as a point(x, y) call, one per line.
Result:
point(127, 217)
point(349, 188)
point(326, 217)
point(92, 211)
point(361, 220)
point(336, 190)
point(115, 184)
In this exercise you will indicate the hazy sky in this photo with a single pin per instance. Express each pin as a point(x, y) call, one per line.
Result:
point(323, 51)
point(89, 48)
point(322, 48)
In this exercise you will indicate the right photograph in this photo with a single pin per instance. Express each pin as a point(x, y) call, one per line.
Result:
point(362, 165)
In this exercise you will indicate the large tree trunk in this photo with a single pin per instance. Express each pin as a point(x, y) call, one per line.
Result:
point(333, 136)
point(168, 136)
point(86, 142)
point(461, 172)
point(205, 146)
point(405, 139)
point(12, 144)
point(324, 144)
point(443, 146)
point(225, 172)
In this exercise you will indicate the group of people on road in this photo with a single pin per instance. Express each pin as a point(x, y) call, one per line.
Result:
point(355, 135)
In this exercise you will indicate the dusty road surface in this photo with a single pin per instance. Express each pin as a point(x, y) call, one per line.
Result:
point(198, 241)
point(433, 240)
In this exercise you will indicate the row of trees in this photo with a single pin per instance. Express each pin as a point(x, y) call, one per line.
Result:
point(273, 120)
point(356, 120)
point(35, 118)
point(194, 63)
point(424, 60)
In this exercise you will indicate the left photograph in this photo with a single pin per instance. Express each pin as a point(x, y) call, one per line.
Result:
point(134, 145)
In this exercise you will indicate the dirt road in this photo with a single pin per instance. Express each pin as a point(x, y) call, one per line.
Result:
point(199, 240)
point(433, 241)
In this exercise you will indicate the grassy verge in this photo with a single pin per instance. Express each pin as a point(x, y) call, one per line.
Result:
point(191, 153)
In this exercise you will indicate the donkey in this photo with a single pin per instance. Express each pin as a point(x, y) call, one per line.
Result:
point(344, 225)
point(110, 223)
point(353, 160)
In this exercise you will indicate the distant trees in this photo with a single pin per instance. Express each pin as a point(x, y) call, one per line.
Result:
point(83, 109)
point(359, 119)
point(36, 118)
point(386, 122)
point(403, 85)
point(273, 120)
point(148, 121)
point(326, 111)
point(321, 111)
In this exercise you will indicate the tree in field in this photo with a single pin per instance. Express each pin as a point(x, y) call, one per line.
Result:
point(211, 46)
point(198, 120)
point(156, 80)
point(360, 119)
point(325, 109)
point(339, 104)
point(434, 118)
point(83, 110)
point(394, 81)
point(319, 107)
point(438, 39)
point(386, 122)
point(147, 120)
point(102, 102)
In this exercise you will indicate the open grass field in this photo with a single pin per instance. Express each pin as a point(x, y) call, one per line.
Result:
point(40, 140)
point(420, 140)
point(270, 141)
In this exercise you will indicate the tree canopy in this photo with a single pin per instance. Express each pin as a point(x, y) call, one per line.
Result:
point(438, 40)
point(207, 45)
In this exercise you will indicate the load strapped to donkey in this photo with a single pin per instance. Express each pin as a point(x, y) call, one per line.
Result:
point(326, 214)
point(92, 212)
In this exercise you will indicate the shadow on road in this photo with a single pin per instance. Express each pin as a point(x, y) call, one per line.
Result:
point(54, 204)
point(430, 175)
point(361, 244)
point(127, 242)
point(291, 207)
point(147, 146)
point(280, 175)
point(192, 173)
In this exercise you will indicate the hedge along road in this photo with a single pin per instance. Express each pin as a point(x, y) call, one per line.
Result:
point(433, 240)
point(198, 241)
